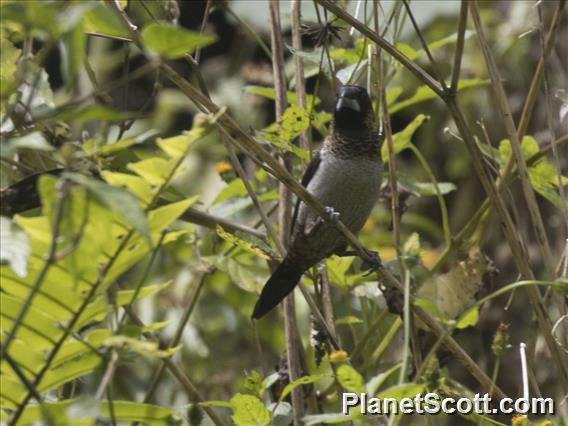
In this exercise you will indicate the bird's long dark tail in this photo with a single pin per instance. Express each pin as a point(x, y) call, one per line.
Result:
point(279, 285)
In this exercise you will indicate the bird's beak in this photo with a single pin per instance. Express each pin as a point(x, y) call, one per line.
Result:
point(345, 102)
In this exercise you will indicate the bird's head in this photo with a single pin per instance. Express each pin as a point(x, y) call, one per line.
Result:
point(353, 109)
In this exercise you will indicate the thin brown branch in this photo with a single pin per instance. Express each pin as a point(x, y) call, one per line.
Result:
point(418, 32)
point(462, 25)
point(285, 214)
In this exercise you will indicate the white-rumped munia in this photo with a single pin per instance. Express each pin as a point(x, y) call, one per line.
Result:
point(345, 175)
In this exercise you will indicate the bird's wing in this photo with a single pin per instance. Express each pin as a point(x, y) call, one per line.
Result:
point(308, 175)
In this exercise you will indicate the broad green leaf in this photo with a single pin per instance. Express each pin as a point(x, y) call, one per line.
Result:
point(306, 380)
point(73, 349)
point(424, 93)
point(235, 188)
point(37, 327)
point(68, 371)
point(78, 412)
point(73, 53)
point(242, 244)
point(134, 184)
point(173, 42)
point(92, 113)
point(9, 56)
point(117, 199)
point(469, 319)
point(412, 54)
point(350, 379)
point(542, 173)
point(267, 92)
point(377, 381)
point(250, 278)
point(402, 139)
point(405, 390)
point(14, 246)
point(424, 189)
point(153, 170)
point(101, 19)
point(162, 217)
point(293, 122)
point(248, 410)
point(178, 146)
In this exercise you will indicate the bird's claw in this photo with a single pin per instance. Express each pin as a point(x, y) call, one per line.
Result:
point(369, 266)
point(332, 215)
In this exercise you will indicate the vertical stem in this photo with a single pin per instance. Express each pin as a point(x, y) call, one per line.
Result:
point(285, 213)
point(299, 67)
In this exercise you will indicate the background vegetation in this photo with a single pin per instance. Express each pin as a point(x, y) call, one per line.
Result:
point(150, 153)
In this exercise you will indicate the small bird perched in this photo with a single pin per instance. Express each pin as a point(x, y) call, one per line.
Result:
point(345, 175)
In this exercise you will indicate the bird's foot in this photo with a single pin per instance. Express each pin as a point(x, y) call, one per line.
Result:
point(372, 264)
point(332, 215)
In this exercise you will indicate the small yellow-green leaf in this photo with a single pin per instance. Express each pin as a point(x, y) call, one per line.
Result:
point(164, 216)
point(173, 42)
point(402, 139)
point(153, 170)
point(469, 319)
point(245, 245)
point(350, 379)
point(248, 410)
point(306, 380)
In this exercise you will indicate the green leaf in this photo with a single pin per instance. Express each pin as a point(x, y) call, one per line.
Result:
point(76, 412)
point(542, 173)
point(269, 93)
point(377, 381)
point(350, 379)
point(248, 410)
point(349, 320)
point(70, 370)
point(116, 199)
point(424, 93)
point(293, 122)
point(424, 189)
point(9, 56)
point(405, 390)
point(153, 170)
point(134, 184)
point(73, 53)
point(14, 246)
point(162, 217)
point(402, 139)
point(101, 19)
point(306, 380)
point(173, 42)
point(242, 244)
point(92, 113)
point(469, 319)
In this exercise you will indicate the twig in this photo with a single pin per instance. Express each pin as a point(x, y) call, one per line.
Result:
point(107, 377)
point(299, 67)
point(459, 47)
point(425, 46)
point(284, 215)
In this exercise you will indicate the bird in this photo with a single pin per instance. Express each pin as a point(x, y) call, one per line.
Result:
point(345, 175)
